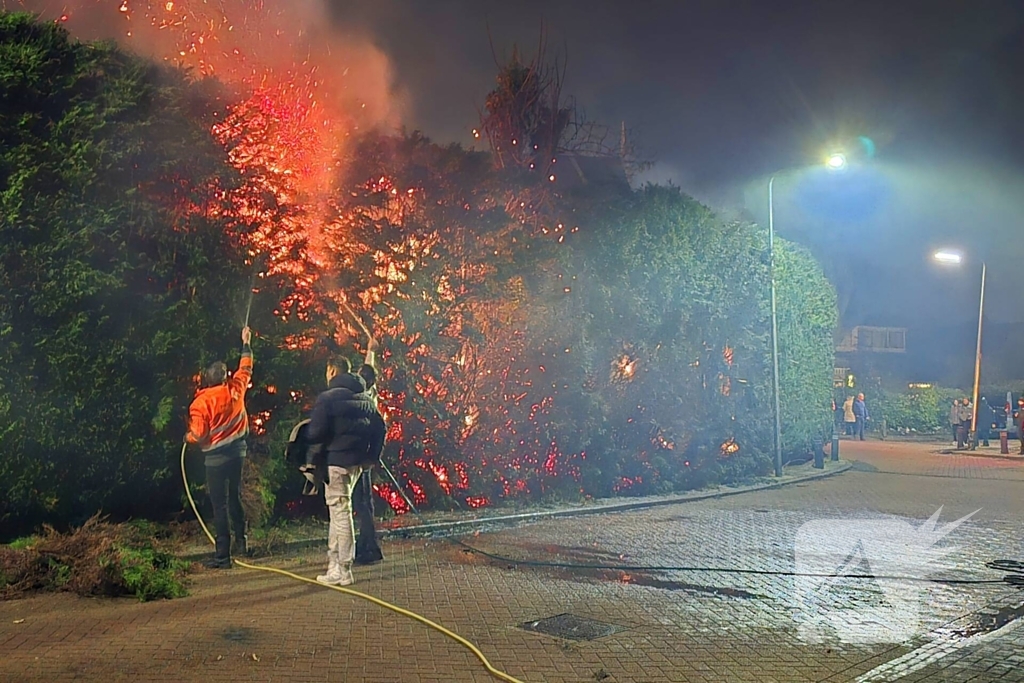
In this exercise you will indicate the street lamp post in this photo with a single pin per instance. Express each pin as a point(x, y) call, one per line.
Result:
point(836, 162)
point(954, 258)
point(977, 362)
point(775, 328)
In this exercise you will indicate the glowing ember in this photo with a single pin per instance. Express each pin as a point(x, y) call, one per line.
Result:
point(623, 368)
point(393, 498)
point(660, 441)
point(259, 422)
point(419, 496)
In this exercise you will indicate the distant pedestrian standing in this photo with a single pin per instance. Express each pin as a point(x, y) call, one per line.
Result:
point(954, 419)
point(218, 424)
point(861, 416)
point(1019, 420)
point(849, 418)
point(964, 428)
point(986, 416)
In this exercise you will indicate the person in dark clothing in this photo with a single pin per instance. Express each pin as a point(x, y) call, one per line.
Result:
point(860, 412)
point(218, 424)
point(966, 416)
point(367, 548)
point(954, 419)
point(1019, 419)
point(342, 423)
point(986, 416)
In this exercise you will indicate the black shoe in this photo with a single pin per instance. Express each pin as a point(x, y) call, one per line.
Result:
point(218, 563)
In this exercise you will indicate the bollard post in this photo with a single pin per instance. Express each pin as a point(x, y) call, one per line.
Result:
point(819, 454)
point(835, 444)
point(1004, 442)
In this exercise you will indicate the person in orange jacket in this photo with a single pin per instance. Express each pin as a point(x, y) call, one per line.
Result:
point(218, 424)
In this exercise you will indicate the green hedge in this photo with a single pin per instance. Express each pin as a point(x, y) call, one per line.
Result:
point(923, 410)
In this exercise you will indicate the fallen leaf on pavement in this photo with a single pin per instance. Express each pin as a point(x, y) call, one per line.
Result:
point(255, 658)
point(19, 621)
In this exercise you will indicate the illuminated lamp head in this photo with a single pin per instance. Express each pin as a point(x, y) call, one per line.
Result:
point(337, 365)
point(836, 161)
point(215, 374)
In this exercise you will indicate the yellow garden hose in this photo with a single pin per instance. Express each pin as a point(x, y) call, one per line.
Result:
point(341, 589)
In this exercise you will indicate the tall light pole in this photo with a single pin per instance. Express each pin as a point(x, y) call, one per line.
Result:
point(836, 162)
point(955, 258)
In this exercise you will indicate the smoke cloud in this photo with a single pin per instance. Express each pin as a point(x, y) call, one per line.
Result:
point(246, 43)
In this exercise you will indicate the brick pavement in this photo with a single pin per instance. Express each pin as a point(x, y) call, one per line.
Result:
point(704, 625)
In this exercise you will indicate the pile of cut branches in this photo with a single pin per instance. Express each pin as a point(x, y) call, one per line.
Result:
point(97, 558)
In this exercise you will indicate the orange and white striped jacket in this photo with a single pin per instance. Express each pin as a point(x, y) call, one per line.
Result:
point(217, 416)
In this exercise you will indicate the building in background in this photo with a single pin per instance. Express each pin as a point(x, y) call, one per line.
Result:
point(942, 355)
point(869, 356)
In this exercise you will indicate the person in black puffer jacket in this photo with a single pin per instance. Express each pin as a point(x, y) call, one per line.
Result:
point(367, 548)
point(343, 424)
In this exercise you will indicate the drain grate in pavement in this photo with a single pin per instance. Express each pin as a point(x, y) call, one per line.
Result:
point(572, 627)
point(238, 635)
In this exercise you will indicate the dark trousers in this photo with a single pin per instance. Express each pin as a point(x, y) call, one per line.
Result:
point(367, 548)
point(859, 429)
point(223, 482)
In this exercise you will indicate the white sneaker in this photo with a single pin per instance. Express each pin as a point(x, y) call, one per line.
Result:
point(339, 579)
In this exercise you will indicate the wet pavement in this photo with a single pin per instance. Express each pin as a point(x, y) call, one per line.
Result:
point(695, 591)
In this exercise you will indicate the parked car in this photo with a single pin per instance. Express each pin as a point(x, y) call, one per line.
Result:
point(998, 419)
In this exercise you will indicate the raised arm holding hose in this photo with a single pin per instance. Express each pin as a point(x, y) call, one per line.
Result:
point(218, 424)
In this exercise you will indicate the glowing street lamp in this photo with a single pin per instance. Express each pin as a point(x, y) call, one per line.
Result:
point(835, 162)
point(950, 257)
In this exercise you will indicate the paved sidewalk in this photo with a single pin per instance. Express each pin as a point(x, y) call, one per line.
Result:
point(709, 624)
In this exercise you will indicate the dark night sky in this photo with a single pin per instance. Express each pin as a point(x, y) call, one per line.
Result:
point(722, 93)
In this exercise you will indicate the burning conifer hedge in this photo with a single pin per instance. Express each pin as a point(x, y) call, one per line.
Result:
point(546, 330)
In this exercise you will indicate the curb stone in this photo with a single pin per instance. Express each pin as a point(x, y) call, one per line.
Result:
point(976, 454)
point(721, 492)
point(443, 528)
